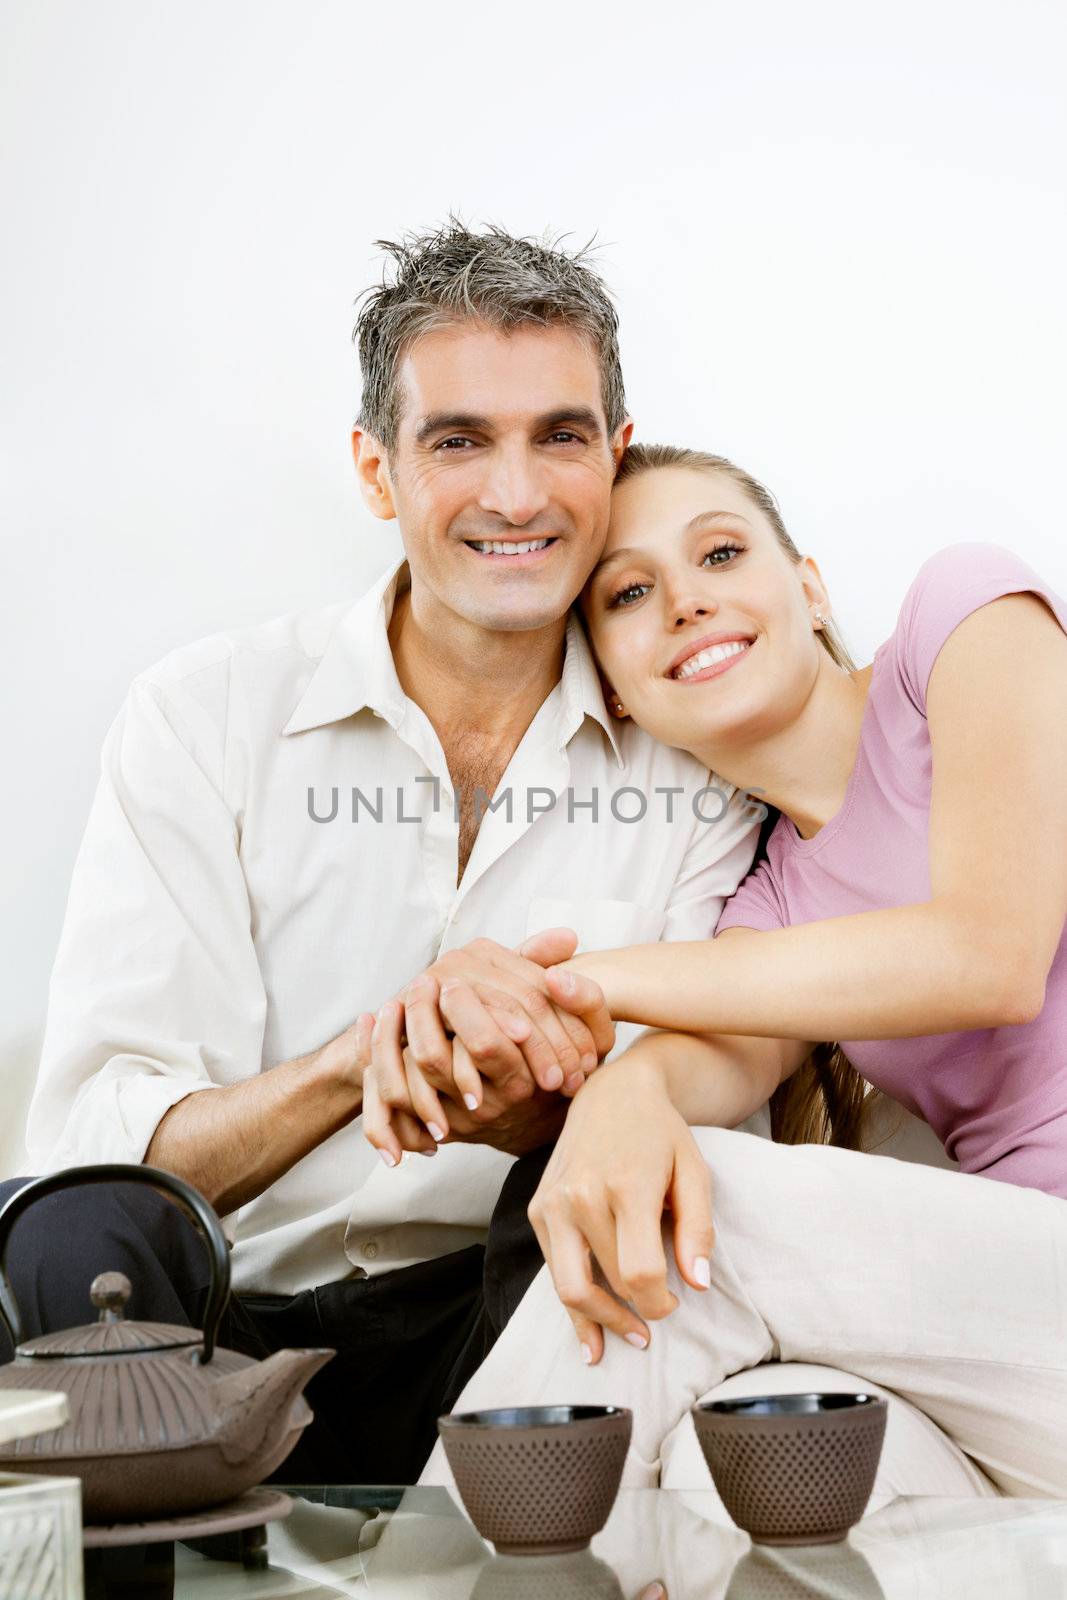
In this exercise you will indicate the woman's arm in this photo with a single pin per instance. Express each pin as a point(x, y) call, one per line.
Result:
point(626, 1155)
point(977, 953)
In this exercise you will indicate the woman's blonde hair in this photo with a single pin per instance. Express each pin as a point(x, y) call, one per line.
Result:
point(825, 1100)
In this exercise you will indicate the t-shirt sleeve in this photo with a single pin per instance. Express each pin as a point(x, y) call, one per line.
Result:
point(756, 903)
point(952, 584)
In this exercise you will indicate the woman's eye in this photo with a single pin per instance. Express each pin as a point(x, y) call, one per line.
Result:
point(627, 596)
point(726, 550)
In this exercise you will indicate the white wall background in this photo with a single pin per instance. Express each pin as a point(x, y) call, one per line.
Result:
point(836, 232)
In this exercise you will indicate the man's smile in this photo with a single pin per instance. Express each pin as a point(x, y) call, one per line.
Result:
point(510, 552)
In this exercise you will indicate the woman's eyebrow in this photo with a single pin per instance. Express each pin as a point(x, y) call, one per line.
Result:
point(695, 525)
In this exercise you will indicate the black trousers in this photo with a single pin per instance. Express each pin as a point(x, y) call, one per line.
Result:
point(406, 1341)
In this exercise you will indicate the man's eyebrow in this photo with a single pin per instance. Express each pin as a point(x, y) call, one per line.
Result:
point(449, 422)
point(694, 525)
point(444, 422)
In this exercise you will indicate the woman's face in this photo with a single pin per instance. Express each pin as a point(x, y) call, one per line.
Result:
point(701, 622)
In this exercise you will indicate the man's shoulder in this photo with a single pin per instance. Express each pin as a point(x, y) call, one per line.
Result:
point(289, 641)
point(645, 756)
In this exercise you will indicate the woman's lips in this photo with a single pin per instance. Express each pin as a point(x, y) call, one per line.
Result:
point(717, 668)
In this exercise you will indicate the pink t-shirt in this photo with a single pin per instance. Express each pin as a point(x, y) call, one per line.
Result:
point(996, 1097)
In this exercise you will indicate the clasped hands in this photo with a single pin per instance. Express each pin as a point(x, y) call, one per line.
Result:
point(486, 1046)
point(489, 1045)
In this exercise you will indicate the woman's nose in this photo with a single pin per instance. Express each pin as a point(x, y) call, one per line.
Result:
point(684, 610)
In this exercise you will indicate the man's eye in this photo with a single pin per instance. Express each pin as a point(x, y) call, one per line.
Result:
point(627, 596)
point(456, 442)
point(564, 436)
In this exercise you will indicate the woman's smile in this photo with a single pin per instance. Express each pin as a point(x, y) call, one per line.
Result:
point(709, 657)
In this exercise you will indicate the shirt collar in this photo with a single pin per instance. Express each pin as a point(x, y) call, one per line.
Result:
point(356, 671)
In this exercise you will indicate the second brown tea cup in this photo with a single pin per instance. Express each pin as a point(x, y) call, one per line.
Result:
point(793, 1468)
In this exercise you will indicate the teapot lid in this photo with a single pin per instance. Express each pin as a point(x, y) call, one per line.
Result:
point(111, 1334)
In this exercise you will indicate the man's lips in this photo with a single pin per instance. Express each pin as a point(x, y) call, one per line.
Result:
point(512, 552)
point(710, 642)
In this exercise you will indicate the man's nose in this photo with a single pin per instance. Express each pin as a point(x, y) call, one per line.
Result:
point(514, 487)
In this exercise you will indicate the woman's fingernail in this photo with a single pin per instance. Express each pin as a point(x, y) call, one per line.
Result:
point(388, 1157)
point(702, 1271)
point(638, 1340)
point(471, 1102)
point(435, 1132)
point(587, 1355)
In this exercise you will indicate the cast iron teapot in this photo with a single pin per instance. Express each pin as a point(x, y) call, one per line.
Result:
point(161, 1421)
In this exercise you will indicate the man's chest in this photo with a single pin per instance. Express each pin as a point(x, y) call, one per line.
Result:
point(352, 869)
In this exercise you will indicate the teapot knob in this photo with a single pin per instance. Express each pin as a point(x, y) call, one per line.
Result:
point(109, 1293)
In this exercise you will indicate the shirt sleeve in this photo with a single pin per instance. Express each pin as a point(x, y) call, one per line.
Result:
point(948, 588)
point(720, 851)
point(756, 904)
point(156, 991)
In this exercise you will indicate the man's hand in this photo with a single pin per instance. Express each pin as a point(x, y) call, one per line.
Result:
point(481, 1016)
point(527, 1119)
point(624, 1156)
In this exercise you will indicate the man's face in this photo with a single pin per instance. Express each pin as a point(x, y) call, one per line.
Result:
point(502, 471)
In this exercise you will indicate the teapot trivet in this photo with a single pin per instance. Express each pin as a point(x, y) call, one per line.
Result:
point(251, 1510)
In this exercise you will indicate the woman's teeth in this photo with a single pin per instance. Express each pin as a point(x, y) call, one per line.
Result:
point(709, 657)
point(497, 547)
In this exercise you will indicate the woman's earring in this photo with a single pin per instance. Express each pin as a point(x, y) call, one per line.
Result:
point(618, 707)
point(821, 621)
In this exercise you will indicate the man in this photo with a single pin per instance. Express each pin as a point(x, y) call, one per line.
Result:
point(293, 821)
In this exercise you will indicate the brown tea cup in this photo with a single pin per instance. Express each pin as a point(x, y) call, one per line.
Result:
point(793, 1468)
point(538, 1480)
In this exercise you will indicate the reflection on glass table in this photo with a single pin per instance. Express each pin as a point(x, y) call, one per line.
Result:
point(402, 1544)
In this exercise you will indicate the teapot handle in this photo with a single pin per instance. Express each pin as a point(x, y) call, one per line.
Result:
point(120, 1172)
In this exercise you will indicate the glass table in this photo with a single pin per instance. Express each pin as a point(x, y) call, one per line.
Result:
point(404, 1544)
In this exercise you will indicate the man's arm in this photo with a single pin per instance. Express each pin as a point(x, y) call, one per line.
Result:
point(233, 1144)
point(154, 1042)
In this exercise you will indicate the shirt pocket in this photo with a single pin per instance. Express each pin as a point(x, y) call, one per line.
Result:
point(599, 924)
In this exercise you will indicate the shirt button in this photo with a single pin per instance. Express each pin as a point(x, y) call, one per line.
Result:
point(369, 1251)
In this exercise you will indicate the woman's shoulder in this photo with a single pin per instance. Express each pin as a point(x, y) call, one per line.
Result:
point(948, 587)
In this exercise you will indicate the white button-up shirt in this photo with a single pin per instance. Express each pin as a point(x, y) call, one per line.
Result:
point(272, 849)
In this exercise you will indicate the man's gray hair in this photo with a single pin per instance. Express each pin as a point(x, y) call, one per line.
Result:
point(451, 275)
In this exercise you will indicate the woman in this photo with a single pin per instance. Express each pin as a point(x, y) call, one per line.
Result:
point(911, 904)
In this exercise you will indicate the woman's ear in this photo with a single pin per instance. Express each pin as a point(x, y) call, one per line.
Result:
point(372, 470)
point(816, 595)
point(612, 700)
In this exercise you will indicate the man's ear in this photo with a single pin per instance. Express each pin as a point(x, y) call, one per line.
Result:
point(623, 435)
point(372, 470)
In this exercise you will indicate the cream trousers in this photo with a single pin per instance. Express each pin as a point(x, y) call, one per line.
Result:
point(944, 1291)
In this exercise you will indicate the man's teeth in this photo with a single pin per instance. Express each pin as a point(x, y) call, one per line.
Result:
point(708, 658)
point(497, 547)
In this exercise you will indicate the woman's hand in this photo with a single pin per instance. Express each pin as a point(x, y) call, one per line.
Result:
point(624, 1157)
point(523, 1121)
point(479, 1017)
